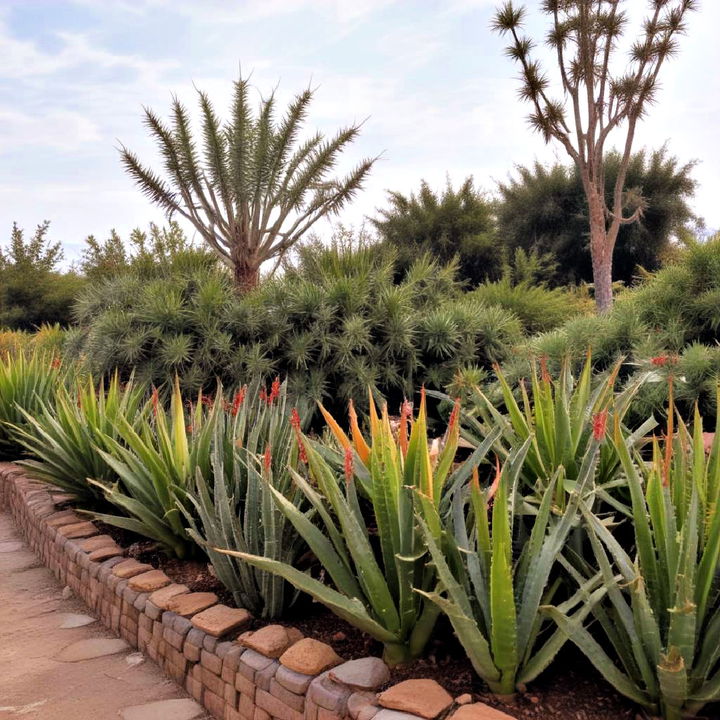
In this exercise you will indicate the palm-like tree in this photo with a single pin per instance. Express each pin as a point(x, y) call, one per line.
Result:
point(254, 190)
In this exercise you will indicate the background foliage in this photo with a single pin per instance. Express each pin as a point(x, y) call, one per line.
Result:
point(544, 209)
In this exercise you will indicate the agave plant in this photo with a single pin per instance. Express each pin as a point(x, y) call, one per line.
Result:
point(156, 464)
point(661, 614)
point(373, 582)
point(63, 438)
point(27, 381)
point(494, 577)
point(253, 448)
point(558, 416)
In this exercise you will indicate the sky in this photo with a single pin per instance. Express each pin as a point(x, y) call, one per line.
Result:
point(429, 79)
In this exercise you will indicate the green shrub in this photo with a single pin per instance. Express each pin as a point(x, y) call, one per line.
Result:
point(33, 291)
point(48, 339)
point(671, 314)
point(334, 324)
point(538, 308)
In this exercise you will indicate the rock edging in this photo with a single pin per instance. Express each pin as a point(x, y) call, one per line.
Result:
point(271, 673)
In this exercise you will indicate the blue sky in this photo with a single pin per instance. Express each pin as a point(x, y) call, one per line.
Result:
point(429, 76)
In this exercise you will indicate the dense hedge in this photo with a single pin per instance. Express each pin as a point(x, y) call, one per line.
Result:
point(334, 323)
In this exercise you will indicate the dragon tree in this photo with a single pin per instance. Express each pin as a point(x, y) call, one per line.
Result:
point(255, 187)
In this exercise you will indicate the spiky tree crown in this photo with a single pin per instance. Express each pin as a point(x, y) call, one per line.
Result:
point(254, 189)
point(584, 35)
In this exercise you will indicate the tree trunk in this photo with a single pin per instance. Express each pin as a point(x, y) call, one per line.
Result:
point(601, 252)
point(246, 274)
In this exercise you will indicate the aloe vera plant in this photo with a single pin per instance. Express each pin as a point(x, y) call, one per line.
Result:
point(27, 380)
point(557, 414)
point(63, 437)
point(373, 581)
point(491, 591)
point(661, 614)
point(253, 449)
point(156, 464)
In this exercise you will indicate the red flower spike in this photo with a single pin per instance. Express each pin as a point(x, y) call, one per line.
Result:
point(405, 419)
point(544, 370)
point(55, 364)
point(349, 466)
point(475, 478)
point(600, 424)
point(263, 395)
point(155, 401)
point(454, 415)
point(274, 391)
point(295, 422)
point(238, 400)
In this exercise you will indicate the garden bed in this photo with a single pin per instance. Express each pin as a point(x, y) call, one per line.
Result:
point(570, 689)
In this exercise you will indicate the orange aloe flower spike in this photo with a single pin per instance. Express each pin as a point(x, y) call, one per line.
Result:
point(361, 447)
point(496, 482)
point(335, 428)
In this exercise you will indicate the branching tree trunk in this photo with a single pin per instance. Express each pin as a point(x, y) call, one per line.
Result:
point(255, 191)
point(596, 100)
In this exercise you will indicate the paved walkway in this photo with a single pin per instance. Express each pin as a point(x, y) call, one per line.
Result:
point(76, 672)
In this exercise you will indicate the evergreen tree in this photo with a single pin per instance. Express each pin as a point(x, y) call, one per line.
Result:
point(33, 290)
point(448, 224)
point(544, 209)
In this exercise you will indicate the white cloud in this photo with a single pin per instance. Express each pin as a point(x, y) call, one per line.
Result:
point(57, 129)
point(211, 12)
point(23, 59)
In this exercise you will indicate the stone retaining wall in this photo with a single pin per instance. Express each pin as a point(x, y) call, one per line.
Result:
point(273, 672)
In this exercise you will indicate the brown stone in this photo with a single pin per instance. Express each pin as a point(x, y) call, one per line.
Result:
point(425, 698)
point(160, 598)
point(275, 707)
point(59, 498)
point(464, 699)
point(130, 568)
point(362, 674)
point(105, 553)
point(220, 620)
point(97, 542)
point(310, 657)
point(272, 640)
point(149, 581)
point(188, 604)
point(64, 517)
point(78, 530)
point(479, 711)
